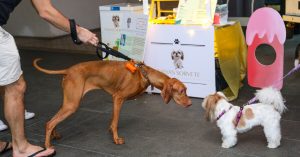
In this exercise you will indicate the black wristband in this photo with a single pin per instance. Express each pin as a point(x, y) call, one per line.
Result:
point(74, 32)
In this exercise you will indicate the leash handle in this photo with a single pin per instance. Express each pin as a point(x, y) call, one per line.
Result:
point(100, 54)
point(109, 51)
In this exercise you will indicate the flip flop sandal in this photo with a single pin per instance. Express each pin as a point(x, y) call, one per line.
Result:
point(6, 148)
point(40, 151)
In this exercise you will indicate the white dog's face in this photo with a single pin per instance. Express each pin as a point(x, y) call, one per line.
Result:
point(177, 55)
point(209, 104)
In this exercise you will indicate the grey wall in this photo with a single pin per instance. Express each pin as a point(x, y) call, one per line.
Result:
point(242, 8)
point(24, 21)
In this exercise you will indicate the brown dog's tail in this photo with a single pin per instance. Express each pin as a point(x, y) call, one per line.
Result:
point(64, 71)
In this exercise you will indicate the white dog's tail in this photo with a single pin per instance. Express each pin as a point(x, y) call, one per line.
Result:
point(271, 96)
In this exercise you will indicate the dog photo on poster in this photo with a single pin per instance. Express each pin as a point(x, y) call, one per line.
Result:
point(185, 53)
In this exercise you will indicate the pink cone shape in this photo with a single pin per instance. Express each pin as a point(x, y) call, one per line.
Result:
point(265, 27)
point(265, 22)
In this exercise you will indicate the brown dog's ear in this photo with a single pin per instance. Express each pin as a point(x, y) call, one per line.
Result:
point(167, 91)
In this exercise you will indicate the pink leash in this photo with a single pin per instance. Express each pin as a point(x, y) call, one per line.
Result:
point(251, 101)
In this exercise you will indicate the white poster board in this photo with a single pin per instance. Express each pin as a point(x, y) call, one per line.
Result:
point(185, 53)
point(133, 36)
point(127, 22)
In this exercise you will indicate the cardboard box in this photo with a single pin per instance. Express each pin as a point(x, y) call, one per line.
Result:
point(292, 7)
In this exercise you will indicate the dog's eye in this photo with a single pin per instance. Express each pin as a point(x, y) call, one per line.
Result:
point(182, 91)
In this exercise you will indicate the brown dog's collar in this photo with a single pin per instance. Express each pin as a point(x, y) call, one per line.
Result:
point(144, 73)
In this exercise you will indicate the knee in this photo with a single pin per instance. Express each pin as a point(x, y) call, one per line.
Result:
point(19, 86)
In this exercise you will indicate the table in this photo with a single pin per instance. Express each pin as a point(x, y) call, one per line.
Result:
point(291, 18)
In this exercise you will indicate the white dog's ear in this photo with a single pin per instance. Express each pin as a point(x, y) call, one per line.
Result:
point(209, 104)
point(223, 95)
point(204, 102)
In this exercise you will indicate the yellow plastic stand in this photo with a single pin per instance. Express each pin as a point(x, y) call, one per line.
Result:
point(159, 11)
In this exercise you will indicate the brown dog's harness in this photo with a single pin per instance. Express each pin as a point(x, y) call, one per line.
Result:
point(140, 66)
point(144, 73)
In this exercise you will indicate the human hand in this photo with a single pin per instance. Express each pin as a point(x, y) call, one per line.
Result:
point(87, 36)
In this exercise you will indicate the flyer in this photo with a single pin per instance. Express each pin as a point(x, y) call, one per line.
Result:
point(196, 12)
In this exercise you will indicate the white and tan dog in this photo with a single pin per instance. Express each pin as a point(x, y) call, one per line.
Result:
point(267, 113)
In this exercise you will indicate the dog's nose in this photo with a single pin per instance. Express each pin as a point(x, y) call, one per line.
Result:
point(190, 102)
point(188, 105)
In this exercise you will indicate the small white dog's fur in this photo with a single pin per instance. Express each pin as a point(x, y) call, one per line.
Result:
point(266, 113)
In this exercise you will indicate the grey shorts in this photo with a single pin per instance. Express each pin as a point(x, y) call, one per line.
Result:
point(10, 66)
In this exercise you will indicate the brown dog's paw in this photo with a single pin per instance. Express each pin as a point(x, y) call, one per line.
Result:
point(55, 135)
point(48, 145)
point(119, 140)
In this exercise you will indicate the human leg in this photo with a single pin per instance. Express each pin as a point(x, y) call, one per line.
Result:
point(14, 114)
point(28, 115)
point(14, 87)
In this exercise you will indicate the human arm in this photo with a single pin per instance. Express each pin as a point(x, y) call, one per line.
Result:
point(49, 13)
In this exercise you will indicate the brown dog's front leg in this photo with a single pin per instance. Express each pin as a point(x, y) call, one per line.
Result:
point(118, 102)
point(55, 135)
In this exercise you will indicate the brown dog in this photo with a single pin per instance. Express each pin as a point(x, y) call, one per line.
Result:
point(114, 78)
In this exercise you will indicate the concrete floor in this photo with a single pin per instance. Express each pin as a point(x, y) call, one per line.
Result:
point(150, 128)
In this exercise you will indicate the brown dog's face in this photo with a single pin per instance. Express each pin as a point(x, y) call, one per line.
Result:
point(175, 89)
point(209, 105)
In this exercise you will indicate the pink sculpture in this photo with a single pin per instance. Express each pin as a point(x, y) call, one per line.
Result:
point(265, 26)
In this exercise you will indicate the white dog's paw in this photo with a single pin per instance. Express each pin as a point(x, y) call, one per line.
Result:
point(227, 145)
point(273, 145)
